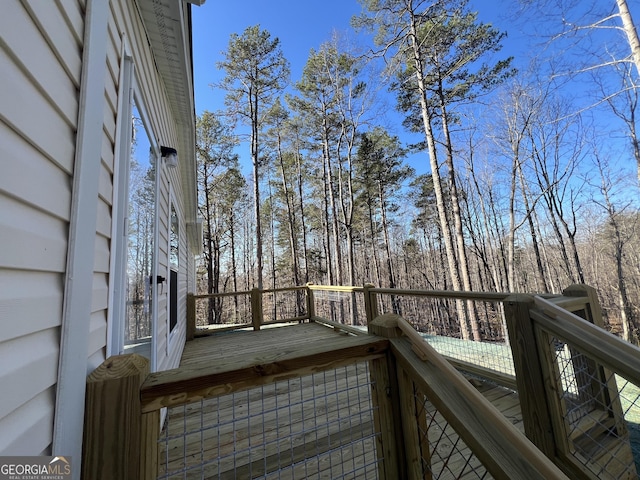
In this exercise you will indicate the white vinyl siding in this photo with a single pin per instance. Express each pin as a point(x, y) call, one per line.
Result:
point(154, 102)
point(41, 57)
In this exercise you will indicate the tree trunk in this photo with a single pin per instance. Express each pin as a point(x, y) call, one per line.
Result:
point(234, 270)
point(630, 31)
point(542, 281)
point(327, 222)
point(305, 247)
point(255, 158)
point(472, 313)
point(374, 249)
point(435, 173)
point(335, 233)
point(290, 218)
point(385, 231)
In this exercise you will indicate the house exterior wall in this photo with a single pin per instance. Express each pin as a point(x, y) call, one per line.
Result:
point(41, 57)
point(127, 24)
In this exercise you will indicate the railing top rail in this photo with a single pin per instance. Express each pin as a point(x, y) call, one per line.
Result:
point(483, 296)
point(221, 294)
point(334, 288)
point(284, 289)
point(462, 295)
point(184, 385)
point(618, 355)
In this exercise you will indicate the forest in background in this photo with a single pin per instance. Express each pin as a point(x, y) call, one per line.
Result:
point(533, 179)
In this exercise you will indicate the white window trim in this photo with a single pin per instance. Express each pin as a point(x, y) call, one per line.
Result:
point(117, 282)
point(171, 335)
point(153, 142)
point(119, 220)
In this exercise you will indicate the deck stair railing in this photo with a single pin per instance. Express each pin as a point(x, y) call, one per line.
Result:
point(578, 388)
point(579, 385)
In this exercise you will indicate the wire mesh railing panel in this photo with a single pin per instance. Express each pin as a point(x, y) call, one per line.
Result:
point(316, 426)
point(223, 311)
point(283, 304)
point(600, 413)
point(444, 455)
point(436, 319)
point(342, 307)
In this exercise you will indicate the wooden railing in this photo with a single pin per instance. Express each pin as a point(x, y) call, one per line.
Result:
point(370, 296)
point(409, 370)
point(571, 376)
point(255, 316)
point(498, 446)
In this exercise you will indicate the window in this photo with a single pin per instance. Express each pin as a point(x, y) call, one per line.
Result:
point(174, 259)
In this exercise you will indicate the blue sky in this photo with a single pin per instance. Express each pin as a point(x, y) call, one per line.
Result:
point(304, 24)
point(300, 25)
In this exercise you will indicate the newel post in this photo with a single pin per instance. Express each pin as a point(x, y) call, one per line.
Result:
point(594, 312)
point(528, 363)
point(256, 308)
point(311, 302)
point(119, 440)
point(386, 398)
point(370, 304)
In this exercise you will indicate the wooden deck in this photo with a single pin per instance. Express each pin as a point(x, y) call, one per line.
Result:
point(320, 425)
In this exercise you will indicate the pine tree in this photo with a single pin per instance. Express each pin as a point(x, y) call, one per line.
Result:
point(256, 72)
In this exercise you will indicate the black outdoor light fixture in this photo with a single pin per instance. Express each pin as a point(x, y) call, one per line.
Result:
point(170, 156)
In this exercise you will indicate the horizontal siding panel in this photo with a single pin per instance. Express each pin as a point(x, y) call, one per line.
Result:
point(100, 296)
point(109, 122)
point(33, 117)
point(97, 334)
point(113, 51)
point(101, 255)
point(95, 360)
point(33, 177)
point(103, 226)
point(36, 58)
point(29, 430)
point(117, 18)
point(111, 93)
point(32, 240)
point(53, 26)
point(73, 13)
point(30, 366)
point(106, 153)
point(105, 184)
point(29, 302)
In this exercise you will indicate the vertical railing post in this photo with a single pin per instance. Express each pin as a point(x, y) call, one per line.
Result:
point(528, 362)
point(386, 399)
point(256, 308)
point(191, 316)
point(150, 433)
point(370, 303)
point(414, 428)
point(119, 440)
point(311, 302)
point(594, 312)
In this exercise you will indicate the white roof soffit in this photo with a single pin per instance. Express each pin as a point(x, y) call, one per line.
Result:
point(168, 25)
